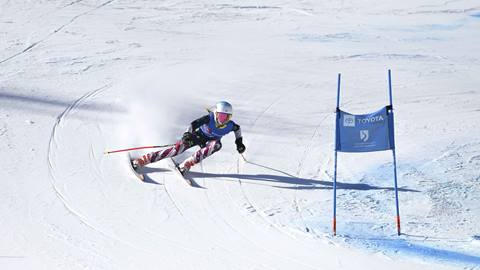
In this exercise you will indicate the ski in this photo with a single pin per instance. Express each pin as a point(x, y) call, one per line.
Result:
point(138, 174)
point(180, 173)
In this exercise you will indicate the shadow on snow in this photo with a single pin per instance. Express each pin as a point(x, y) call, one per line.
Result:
point(399, 246)
point(296, 182)
point(48, 105)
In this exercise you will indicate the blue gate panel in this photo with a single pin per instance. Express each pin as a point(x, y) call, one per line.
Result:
point(365, 132)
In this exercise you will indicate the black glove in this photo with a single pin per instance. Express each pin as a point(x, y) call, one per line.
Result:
point(240, 145)
point(188, 138)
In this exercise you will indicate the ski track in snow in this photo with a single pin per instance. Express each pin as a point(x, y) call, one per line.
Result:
point(252, 140)
point(251, 210)
point(223, 220)
point(295, 203)
point(72, 20)
point(178, 208)
point(305, 154)
point(52, 142)
point(192, 224)
point(61, 119)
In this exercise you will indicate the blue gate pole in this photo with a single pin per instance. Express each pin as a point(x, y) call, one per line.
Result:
point(335, 166)
point(396, 191)
point(394, 157)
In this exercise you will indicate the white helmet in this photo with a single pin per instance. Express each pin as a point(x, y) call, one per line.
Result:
point(223, 113)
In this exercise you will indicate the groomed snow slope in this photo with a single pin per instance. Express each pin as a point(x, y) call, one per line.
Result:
point(80, 77)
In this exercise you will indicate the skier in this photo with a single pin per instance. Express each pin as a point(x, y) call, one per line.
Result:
point(206, 132)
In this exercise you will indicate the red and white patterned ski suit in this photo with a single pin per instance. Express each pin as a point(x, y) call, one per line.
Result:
point(178, 148)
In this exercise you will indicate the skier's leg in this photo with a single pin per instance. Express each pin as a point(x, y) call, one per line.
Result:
point(172, 151)
point(199, 155)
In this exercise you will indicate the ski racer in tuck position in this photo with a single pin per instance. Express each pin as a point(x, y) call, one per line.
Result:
point(206, 132)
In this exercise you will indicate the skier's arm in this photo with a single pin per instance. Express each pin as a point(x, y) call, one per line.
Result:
point(196, 124)
point(188, 138)
point(238, 132)
point(238, 138)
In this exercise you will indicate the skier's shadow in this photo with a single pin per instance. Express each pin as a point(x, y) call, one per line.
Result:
point(147, 179)
point(295, 182)
point(146, 171)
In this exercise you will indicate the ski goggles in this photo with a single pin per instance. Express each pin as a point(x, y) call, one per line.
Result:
point(223, 118)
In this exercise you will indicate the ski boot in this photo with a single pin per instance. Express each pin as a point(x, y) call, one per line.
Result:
point(186, 165)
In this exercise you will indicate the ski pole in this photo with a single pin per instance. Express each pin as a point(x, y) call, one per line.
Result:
point(137, 148)
point(244, 159)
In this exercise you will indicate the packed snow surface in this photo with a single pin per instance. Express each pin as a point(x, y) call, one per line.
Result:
point(81, 77)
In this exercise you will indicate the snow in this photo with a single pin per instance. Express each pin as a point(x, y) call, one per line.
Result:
point(80, 77)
